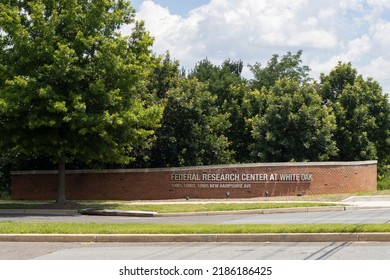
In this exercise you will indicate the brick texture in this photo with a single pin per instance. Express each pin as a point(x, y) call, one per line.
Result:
point(235, 181)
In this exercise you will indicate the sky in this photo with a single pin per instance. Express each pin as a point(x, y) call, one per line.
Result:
point(327, 31)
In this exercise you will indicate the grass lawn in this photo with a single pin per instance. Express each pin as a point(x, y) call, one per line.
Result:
point(109, 228)
point(9, 227)
point(174, 208)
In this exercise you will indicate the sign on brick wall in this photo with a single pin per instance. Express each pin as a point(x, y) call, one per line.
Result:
point(224, 181)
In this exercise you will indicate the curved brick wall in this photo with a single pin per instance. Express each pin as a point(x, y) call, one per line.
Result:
point(235, 181)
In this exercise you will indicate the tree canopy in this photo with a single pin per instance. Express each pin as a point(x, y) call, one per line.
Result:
point(289, 66)
point(362, 114)
point(71, 85)
point(193, 128)
point(293, 126)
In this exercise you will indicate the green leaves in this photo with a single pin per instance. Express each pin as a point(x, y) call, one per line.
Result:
point(362, 114)
point(72, 84)
point(192, 131)
point(289, 66)
point(294, 126)
point(281, 115)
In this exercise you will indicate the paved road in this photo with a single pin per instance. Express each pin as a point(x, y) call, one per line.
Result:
point(361, 216)
point(195, 251)
point(217, 251)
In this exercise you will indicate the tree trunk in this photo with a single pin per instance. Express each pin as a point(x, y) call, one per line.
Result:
point(61, 198)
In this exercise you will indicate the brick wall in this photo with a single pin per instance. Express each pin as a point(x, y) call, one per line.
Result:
point(235, 181)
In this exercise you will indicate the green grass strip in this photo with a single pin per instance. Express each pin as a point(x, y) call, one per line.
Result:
point(177, 208)
point(210, 207)
point(9, 227)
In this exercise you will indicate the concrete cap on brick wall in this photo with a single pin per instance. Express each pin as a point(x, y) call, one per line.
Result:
point(248, 165)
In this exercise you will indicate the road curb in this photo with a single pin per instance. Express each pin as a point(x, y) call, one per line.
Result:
point(109, 212)
point(134, 238)
point(51, 212)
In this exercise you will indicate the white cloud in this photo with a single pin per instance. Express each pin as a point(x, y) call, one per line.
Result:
point(157, 17)
point(358, 47)
point(314, 38)
point(235, 26)
point(310, 22)
point(381, 4)
point(381, 33)
point(378, 68)
point(253, 30)
point(356, 5)
point(327, 14)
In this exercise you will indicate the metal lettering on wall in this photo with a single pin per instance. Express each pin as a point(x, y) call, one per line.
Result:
point(232, 180)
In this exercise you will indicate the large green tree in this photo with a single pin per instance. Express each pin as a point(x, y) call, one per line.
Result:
point(192, 129)
point(362, 113)
point(229, 87)
point(71, 86)
point(293, 125)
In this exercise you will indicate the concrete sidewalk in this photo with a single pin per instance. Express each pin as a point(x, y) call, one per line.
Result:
point(368, 201)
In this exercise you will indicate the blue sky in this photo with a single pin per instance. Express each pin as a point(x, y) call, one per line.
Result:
point(179, 7)
point(327, 31)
